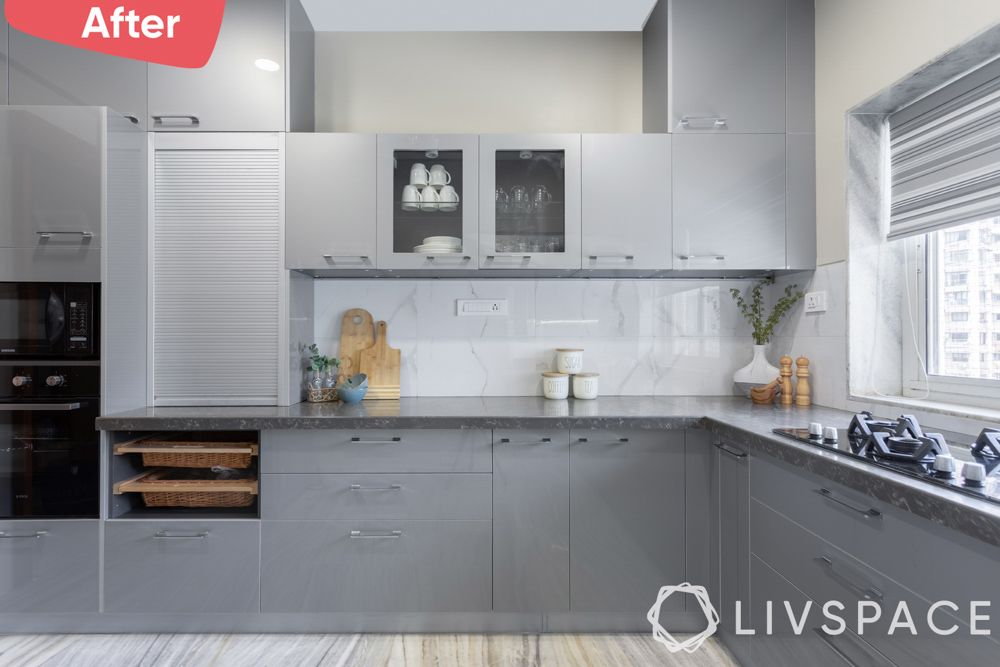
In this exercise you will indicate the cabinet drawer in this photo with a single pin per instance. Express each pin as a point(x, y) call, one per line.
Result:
point(181, 566)
point(363, 450)
point(824, 573)
point(49, 566)
point(398, 566)
point(378, 496)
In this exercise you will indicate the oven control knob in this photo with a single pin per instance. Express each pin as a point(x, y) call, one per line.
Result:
point(55, 380)
point(974, 474)
point(21, 381)
point(815, 430)
point(944, 465)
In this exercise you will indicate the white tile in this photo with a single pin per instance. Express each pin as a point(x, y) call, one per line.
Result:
point(394, 301)
point(827, 367)
point(437, 309)
point(832, 279)
point(479, 367)
point(702, 366)
point(697, 308)
point(575, 308)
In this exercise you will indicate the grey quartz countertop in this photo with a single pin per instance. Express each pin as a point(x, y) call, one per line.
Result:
point(728, 417)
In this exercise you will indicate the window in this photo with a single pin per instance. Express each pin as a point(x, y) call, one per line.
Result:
point(955, 237)
point(957, 257)
point(956, 279)
point(958, 337)
point(959, 316)
point(956, 298)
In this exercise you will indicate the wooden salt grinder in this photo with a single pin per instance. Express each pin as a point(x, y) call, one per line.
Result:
point(802, 389)
point(786, 380)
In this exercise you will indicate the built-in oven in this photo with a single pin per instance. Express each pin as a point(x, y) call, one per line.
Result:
point(49, 320)
point(49, 448)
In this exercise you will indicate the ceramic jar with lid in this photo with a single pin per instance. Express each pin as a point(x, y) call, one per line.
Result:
point(585, 385)
point(569, 360)
point(555, 385)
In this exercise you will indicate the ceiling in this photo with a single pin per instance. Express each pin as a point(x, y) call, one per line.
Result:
point(477, 15)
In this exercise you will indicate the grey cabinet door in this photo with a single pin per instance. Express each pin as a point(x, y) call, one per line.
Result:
point(49, 566)
point(626, 202)
point(329, 201)
point(727, 63)
point(4, 31)
point(230, 93)
point(729, 201)
point(44, 72)
point(627, 519)
point(732, 494)
point(375, 566)
point(181, 566)
point(531, 521)
point(800, 212)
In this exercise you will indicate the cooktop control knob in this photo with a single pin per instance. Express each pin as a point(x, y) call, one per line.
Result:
point(21, 381)
point(830, 434)
point(944, 466)
point(55, 380)
point(815, 430)
point(974, 474)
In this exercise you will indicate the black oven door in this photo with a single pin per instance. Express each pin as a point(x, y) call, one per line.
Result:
point(32, 319)
point(49, 459)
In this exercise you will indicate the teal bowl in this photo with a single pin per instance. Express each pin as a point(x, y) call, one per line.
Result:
point(353, 389)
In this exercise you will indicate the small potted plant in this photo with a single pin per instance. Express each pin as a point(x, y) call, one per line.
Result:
point(321, 380)
point(759, 372)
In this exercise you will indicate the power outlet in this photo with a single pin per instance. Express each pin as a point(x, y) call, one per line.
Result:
point(815, 302)
point(482, 307)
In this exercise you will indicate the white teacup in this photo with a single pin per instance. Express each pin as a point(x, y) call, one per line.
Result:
point(449, 199)
point(411, 198)
point(419, 174)
point(438, 175)
point(429, 199)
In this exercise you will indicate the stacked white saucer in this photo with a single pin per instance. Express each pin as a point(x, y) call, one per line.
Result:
point(439, 245)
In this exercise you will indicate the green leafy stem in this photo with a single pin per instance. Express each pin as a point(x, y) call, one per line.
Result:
point(319, 362)
point(752, 307)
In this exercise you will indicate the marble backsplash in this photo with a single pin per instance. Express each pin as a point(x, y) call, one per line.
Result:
point(645, 337)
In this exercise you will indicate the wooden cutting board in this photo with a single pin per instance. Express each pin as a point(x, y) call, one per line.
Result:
point(381, 364)
point(357, 333)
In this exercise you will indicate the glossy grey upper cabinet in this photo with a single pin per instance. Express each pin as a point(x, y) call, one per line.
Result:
point(800, 72)
point(715, 66)
point(729, 202)
point(44, 72)
point(239, 90)
point(330, 201)
point(626, 202)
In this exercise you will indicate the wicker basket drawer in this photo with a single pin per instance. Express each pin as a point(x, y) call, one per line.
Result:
point(193, 450)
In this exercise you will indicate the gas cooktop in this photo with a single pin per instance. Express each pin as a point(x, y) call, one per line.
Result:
point(902, 445)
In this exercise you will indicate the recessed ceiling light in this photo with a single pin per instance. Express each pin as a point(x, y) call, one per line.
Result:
point(266, 64)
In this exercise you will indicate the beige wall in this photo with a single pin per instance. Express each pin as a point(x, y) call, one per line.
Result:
point(862, 46)
point(479, 82)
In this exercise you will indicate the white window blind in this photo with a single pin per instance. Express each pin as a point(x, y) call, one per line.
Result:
point(945, 156)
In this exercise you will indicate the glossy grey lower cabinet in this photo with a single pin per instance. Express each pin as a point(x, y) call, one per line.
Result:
point(181, 566)
point(627, 519)
point(375, 566)
point(49, 566)
point(531, 517)
point(730, 541)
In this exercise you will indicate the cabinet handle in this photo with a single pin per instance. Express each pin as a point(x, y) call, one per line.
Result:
point(463, 258)
point(868, 592)
point(868, 649)
point(703, 122)
point(16, 536)
point(870, 513)
point(391, 487)
point(333, 258)
point(192, 120)
point(732, 452)
point(619, 440)
point(627, 258)
point(48, 235)
point(164, 535)
point(718, 258)
point(388, 535)
point(525, 258)
point(132, 119)
point(542, 441)
point(390, 441)
point(39, 407)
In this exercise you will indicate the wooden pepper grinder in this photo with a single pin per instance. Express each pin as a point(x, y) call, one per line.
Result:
point(802, 389)
point(786, 380)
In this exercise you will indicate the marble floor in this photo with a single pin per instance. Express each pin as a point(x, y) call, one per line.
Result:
point(625, 650)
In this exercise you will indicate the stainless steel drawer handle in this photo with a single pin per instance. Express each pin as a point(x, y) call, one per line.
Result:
point(334, 258)
point(870, 513)
point(703, 122)
point(39, 407)
point(525, 258)
point(132, 119)
point(388, 535)
point(732, 452)
point(462, 258)
point(16, 536)
point(541, 441)
point(390, 441)
point(618, 441)
point(191, 119)
point(866, 591)
point(718, 258)
point(50, 234)
point(164, 535)
point(627, 258)
point(391, 487)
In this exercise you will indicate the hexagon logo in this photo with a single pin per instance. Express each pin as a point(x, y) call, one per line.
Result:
point(694, 642)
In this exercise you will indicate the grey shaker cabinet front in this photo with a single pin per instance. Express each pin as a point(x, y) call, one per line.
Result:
point(230, 93)
point(531, 540)
point(627, 519)
point(729, 201)
point(626, 202)
point(47, 73)
point(330, 201)
point(49, 566)
point(182, 566)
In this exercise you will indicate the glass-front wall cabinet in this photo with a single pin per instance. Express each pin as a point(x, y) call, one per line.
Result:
point(530, 201)
point(427, 201)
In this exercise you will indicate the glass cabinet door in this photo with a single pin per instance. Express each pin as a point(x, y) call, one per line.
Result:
point(530, 204)
point(427, 201)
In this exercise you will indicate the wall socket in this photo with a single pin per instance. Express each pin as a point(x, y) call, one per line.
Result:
point(815, 302)
point(482, 307)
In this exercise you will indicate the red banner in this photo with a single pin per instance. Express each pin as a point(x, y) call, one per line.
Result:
point(181, 33)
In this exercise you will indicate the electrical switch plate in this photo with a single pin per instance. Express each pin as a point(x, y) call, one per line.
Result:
point(816, 302)
point(482, 307)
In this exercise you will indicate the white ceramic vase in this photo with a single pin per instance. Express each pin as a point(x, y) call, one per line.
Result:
point(757, 372)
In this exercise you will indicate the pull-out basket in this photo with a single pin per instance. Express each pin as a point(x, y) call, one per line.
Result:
point(193, 450)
